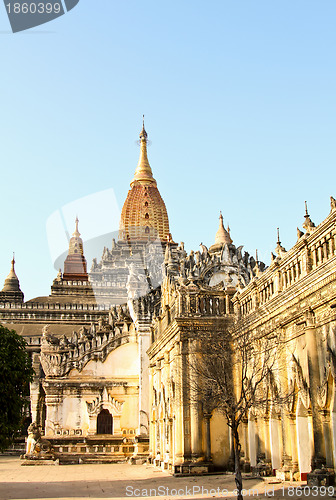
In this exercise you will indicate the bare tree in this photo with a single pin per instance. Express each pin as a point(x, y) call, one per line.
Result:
point(230, 372)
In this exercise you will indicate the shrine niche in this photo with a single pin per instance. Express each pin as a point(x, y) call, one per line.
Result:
point(104, 422)
point(104, 415)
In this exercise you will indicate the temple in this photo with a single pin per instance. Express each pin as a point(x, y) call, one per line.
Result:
point(112, 348)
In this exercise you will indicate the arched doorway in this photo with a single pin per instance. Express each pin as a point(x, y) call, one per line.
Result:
point(104, 422)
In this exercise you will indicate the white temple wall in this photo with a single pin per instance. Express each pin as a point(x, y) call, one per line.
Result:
point(111, 385)
point(122, 362)
point(303, 440)
point(129, 415)
point(275, 429)
point(220, 439)
point(73, 413)
point(252, 442)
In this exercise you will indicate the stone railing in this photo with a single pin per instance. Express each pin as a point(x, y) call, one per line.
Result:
point(312, 250)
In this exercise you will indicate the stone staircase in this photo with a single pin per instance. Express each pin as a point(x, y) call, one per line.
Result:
point(16, 449)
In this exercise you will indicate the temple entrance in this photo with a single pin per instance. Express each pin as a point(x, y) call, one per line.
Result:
point(104, 423)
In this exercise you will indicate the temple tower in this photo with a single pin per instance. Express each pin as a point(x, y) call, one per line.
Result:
point(144, 214)
point(75, 263)
point(222, 236)
point(11, 291)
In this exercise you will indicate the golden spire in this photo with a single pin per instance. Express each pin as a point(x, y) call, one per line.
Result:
point(144, 214)
point(222, 236)
point(143, 171)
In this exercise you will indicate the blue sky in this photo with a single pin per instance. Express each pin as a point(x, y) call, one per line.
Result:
point(239, 103)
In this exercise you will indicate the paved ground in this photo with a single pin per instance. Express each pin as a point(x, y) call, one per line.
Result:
point(123, 481)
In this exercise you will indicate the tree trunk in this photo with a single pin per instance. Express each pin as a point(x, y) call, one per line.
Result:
point(238, 474)
point(208, 437)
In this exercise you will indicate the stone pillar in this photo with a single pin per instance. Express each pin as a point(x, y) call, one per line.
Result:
point(319, 456)
point(195, 418)
point(245, 445)
point(252, 441)
point(293, 440)
point(306, 261)
point(275, 431)
point(208, 456)
point(227, 304)
point(52, 403)
point(286, 444)
point(35, 389)
point(303, 440)
point(152, 411)
point(325, 414)
point(268, 454)
point(144, 334)
point(179, 401)
point(277, 282)
point(261, 455)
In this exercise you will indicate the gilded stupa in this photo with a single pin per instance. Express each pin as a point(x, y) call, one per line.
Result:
point(144, 214)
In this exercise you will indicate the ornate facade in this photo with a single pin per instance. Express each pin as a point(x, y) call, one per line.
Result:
point(112, 350)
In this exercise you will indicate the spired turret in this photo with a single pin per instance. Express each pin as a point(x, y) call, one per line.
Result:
point(222, 236)
point(11, 291)
point(144, 215)
point(75, 263)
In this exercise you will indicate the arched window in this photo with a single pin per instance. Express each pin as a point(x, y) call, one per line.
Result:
point(104, 422)
point(146, 216)
point(147, 230)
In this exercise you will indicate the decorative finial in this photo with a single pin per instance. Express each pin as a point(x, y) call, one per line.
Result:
point(13, 261)
point(299, 233)
point(222, 235)
point(332, 203)
point(143, 134)
point(228, 228)
point(308, 224)
point(279, 249)
point(76, 232)
point(256, 268)
point(143, 172)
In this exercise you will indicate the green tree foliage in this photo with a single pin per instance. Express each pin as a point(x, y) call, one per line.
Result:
point(15, 374)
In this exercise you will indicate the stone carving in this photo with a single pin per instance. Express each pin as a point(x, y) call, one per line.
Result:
point(37, 447)
point(332, 203)
point(47, 337)
point(322, 390)
point(104, 400)
point(94, 265)
point(204, 252)
point(299, 233)
point(60, 355)
point(301, 382)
